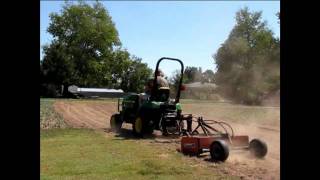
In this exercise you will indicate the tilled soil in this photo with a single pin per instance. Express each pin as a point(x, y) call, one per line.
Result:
point(86, 114)
point(96, 115)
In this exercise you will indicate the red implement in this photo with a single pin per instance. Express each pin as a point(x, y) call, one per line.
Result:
point(195, 145)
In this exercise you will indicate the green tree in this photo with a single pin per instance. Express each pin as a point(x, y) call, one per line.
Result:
point(83, 41)
point(248, 62)
point(175, 78)
point(192, 74)
point(127, 72)
point(174, 81)
point(136, 76)
point(208, 76)
point(86, 51)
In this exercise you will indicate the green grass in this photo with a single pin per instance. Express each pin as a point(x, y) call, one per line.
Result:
point(87, 154)
point(48, 117)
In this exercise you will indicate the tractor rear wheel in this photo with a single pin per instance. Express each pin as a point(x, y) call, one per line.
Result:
point(219, 150)
point(115, 122)
point(258, 148)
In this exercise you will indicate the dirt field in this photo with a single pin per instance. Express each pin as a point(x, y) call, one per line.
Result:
point(96, 114)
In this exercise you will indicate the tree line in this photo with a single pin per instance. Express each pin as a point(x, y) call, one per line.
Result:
point(192, 74)
point(86, 51)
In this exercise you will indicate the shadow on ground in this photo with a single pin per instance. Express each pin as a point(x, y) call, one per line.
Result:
point(127, 134)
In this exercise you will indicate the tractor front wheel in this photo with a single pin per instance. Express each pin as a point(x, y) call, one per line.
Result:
point(137, 127)
point(219, 150)
point(115, 122)
point(140, 127)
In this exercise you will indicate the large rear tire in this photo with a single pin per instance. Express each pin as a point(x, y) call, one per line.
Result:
point(219, 150)
point(115, 122)
point(258, 148)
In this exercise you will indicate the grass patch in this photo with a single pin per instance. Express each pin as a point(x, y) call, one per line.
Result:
point(48, 117)
point(86, 154)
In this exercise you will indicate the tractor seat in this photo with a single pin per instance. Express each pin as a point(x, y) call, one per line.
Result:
point(163, 94)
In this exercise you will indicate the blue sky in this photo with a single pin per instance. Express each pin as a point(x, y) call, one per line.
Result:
point(189, 30)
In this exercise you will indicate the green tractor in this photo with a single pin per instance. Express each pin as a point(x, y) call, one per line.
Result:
point(158, 112)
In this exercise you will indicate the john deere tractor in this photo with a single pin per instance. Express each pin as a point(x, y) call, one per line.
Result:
point(158, 112)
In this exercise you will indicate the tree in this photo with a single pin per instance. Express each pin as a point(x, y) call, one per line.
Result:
point(86, 50)
point(175, 79)
point(248, 62)
point(136, 76)
point(192, 74)
point(83, 40)
point(208, 76)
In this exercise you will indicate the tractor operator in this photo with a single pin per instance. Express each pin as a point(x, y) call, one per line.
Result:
point(161, 81)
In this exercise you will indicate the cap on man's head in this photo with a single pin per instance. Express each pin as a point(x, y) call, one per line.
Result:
point(160, 73)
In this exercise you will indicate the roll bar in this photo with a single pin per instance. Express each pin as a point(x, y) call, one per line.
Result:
point(155, 85)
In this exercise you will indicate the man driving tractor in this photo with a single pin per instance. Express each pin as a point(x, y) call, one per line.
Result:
point(161, 82)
